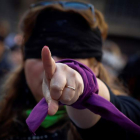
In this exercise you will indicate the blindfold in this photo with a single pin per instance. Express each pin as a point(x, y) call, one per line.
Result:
point(68, 35)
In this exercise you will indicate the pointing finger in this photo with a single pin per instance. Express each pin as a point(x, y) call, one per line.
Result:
point(48, 62)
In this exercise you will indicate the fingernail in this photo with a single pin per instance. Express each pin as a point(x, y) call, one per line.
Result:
point(46, 46)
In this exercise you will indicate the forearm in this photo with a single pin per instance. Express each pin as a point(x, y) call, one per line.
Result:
point(85, 118)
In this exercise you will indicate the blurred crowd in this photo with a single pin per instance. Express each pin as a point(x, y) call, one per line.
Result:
point(10, 54)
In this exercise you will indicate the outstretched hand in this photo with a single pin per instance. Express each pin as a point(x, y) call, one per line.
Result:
point(57, 77)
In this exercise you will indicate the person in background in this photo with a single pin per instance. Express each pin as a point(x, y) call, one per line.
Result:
point(5, 63)
point(13, 42)
point(130, 75)
point(82, 102)
point(113, 59)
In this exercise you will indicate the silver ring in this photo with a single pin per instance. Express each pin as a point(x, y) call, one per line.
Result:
point(70, 87)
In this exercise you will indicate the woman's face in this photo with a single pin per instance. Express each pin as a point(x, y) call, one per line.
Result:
point(34, 72)
point(34, 75)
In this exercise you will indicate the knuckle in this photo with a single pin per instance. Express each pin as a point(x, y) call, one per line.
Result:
point(56, 87)
point(67, 99)
point(64, 67)
point(73, 73)
point(55, 92)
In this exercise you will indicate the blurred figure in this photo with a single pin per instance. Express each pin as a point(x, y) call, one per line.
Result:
point(130, 75)
point(13, 42)
point(113, 59)
point(5, 63)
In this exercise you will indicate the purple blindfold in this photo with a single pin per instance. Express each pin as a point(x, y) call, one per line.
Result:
point(89, 99)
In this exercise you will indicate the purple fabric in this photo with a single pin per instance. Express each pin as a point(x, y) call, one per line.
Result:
point(37, 115)
point(89, 99)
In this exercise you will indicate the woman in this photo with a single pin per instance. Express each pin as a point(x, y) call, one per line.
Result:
point(70, 32)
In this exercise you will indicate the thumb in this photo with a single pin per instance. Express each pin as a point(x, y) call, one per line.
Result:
point(48, 63)
point(53, 104)
point(53, 107)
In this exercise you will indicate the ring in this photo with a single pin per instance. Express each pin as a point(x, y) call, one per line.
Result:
point(70, 87)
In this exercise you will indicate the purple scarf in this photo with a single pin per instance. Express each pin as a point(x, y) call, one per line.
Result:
point(89, 99)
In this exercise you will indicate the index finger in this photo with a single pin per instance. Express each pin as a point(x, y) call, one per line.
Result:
point(48, 62)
